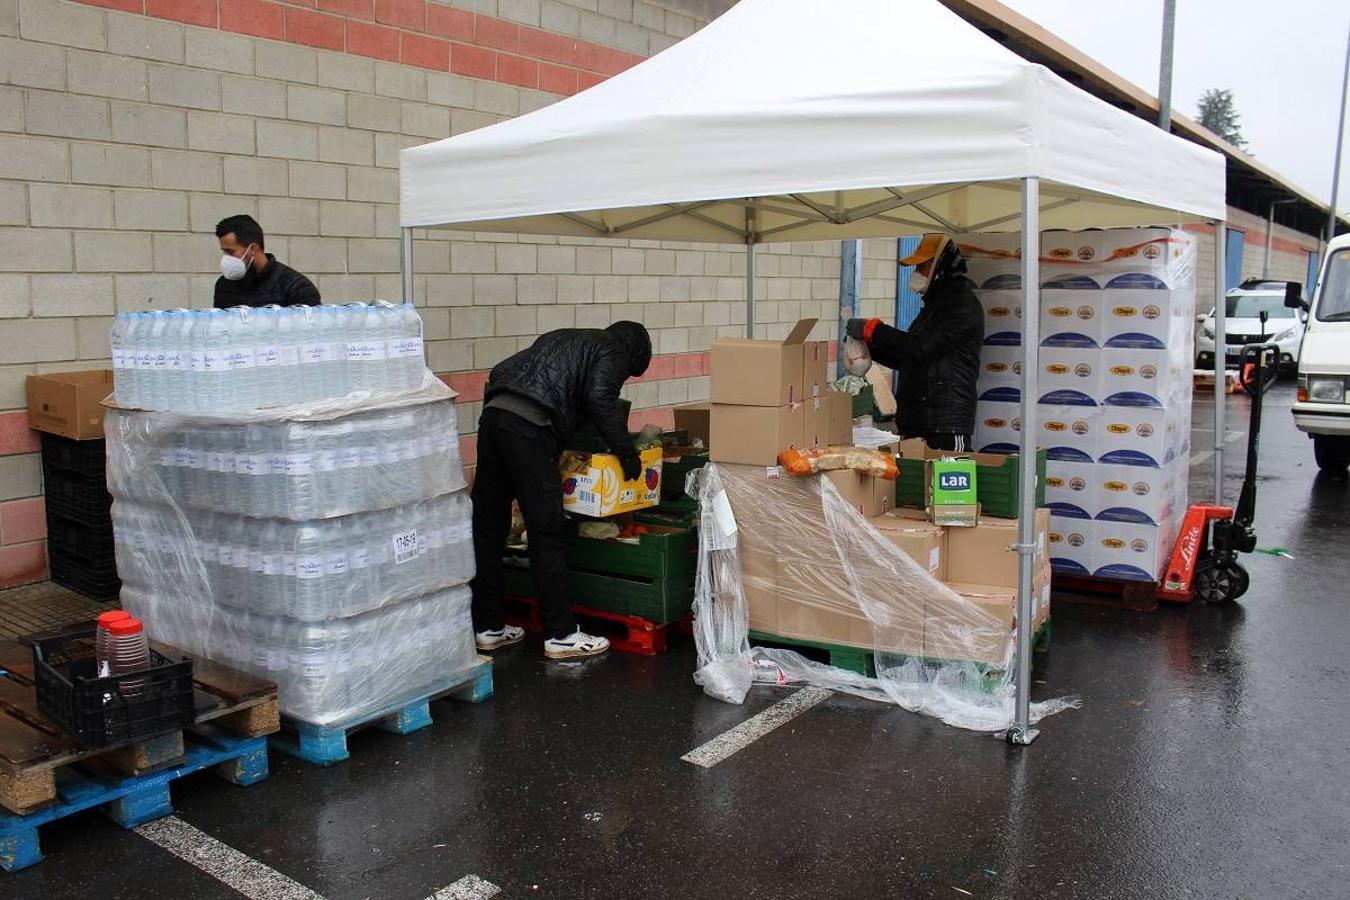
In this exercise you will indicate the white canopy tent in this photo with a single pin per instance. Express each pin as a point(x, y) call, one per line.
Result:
point(801, 120)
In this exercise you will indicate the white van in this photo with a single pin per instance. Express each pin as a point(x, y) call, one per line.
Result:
point(1322, 410)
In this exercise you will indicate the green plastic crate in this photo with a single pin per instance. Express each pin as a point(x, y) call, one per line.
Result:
point(660, 602)
point(668, 556)
point(673, 473)
point(864, 402)
point(998, 488)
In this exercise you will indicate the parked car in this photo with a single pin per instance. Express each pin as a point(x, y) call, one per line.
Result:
point(1321, 410)
point(1283, 326)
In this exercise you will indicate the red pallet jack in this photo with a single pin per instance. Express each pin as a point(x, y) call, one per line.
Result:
point(1204, 561)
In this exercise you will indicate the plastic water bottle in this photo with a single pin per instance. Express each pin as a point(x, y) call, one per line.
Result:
point(101, 637)
point(215, 350)
point(240, 388)
point(290, 387)
point(117, 343)
point(352, 327)
point(267, 356)
point(310, 564)
point(154, 363)
point(271, 595)
point(360, 558)
point(199, 322)
point(135, 363)
point(379, 329)
point(408, 354)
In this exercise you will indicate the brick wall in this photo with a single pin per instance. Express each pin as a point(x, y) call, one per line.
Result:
point(129, 127)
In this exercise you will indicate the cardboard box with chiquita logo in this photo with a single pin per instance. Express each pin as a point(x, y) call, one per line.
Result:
point(1071, 311)
point(998, 422)
point(1072, 539)
point(1001, 360)
point(1069, 421)
point(1070, 361)
point(598, 488)
point(1002, 310)
point(1074, 482)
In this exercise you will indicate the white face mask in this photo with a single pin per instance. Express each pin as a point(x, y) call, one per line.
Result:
point(918, 283)
point(232, 268)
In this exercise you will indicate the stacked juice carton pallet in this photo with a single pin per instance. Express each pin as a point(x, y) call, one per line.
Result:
point(326, 547)
point(1117, 309)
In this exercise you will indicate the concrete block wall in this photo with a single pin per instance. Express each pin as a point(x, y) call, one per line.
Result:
point(1289, 253)
point(129, 127)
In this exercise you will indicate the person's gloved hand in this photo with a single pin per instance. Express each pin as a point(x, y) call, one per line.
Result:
point(854, 329)
point(632, 465)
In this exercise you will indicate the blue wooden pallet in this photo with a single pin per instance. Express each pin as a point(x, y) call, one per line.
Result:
point(325, 745)
point(131, 800)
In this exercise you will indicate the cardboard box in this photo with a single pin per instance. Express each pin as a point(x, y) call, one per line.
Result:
point(749, 372)
point(1072, 312)
point(816, 602)
point(866, 494)
point(951, 491)
point(1075, 483)
point(983, 554)
point(998, 420)
point(828, 420)
point(840, 407)
point(963, 634)
point(695, 418)
point(815, 368)
point(1073, 540)
point(69, 404)
point(919, 539)
point(601, 490)
point(755, 435)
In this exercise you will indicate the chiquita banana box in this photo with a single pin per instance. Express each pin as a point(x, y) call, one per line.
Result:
point(594, 485)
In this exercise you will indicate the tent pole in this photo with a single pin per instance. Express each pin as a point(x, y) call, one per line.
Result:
point(406, 264)
point(749, 273)
point(1220, 350)
point(1021, 732)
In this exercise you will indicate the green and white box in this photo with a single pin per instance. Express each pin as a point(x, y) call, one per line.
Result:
point(952, 492)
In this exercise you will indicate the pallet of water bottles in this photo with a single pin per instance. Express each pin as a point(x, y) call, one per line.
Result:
point(217, 361)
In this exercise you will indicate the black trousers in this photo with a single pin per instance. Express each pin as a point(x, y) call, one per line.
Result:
point(518, 460)
point(954, 442)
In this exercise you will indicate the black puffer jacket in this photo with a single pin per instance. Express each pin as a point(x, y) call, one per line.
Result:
point(277, 284)
point(575, 374)
point(938, 359)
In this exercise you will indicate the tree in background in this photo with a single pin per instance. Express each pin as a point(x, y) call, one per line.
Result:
point(1219, 114)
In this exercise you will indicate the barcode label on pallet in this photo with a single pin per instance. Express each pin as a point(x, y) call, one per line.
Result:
point(405, 546)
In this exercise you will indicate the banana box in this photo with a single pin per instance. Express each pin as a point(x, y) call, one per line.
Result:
point(1072, 482)
point(1153, 373)
point(1066, 254)
point(1140, 423)
point(598, 489)
point(998, 422)
point(1002, 311)
point(1141, 319)
point(1147, 258)
point(993, 261)
point(1072, 311)
point(1070, 424)
point(1000, 359)
point(1072, 539)
point(1128, 545)
point(1071, 362)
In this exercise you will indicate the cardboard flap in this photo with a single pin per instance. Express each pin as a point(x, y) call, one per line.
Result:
point(799, 332)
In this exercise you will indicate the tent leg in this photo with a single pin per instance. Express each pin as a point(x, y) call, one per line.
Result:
point(1021, 732)
point(1220, 350)
point(850, 290)
point(749, 272)
point(406, 266)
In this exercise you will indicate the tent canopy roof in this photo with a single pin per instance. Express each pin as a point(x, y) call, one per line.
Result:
point(803, 120)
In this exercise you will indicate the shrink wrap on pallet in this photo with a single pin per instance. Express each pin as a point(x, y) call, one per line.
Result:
point(326, 547)
point(792, 557)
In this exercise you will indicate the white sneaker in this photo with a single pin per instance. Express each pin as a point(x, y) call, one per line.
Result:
point(502, 637)
point(575, 645)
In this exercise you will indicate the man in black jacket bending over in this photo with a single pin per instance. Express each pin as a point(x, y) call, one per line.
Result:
point(939, 356)
point(535, 402)
point(250, 276)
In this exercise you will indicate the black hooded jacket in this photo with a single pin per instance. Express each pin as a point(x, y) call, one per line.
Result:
point(575, 375)
point(938, 358)
point(277, 284)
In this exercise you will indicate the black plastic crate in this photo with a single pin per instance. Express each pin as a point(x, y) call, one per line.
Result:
point(78, 499)
point(87, 458)
point(97, 584)
point(92, 543)
point(115, 709)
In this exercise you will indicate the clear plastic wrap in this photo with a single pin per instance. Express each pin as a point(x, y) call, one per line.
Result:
point(310, 571)
point(345, 583)
point(333, 672)
point(792, 558)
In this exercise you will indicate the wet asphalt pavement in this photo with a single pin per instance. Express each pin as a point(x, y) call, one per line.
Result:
point(1209, 759)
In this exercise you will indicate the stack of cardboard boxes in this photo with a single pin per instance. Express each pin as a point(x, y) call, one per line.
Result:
point(1117, 310)
point(768, 396)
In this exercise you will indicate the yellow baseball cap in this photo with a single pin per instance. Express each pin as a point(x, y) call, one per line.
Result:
point(927, 249)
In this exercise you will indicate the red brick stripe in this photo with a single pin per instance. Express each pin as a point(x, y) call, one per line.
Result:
point(417, 33)
point(470, 385)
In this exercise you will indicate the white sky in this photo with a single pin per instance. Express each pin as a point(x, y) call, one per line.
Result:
point(1283, 61)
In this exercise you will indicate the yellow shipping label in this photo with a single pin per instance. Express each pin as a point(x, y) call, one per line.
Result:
point(600, 490)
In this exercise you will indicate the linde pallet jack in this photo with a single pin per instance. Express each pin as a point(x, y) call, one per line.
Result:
point(1204, 562)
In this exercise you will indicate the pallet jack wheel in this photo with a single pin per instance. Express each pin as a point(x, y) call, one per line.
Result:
point(1217, 582)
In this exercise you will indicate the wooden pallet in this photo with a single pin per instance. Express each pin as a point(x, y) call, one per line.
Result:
point(325, 745)
point(627, 634)
point(1141, 596)
point(33, 748)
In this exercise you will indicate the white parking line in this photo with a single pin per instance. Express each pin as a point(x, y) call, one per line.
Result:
point(470, 887)
point(257, 881)
point(755, 727)
point(1202, 456)
point(222, 862)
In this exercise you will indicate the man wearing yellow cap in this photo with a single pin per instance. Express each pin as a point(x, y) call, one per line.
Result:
point(938, 357)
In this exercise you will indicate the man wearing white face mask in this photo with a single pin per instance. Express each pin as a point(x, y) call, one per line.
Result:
point(249, 276)
point(938, 357)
